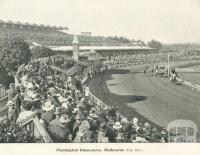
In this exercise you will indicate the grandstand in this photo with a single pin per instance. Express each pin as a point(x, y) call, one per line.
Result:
point(47, 35)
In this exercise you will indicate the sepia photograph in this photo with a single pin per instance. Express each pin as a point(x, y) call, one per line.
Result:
point(100, 71)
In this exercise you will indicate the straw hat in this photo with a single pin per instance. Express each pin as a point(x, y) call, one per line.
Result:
point(124, 120)
point(75, 110)
point(117, 126)
point(105, 107)
point(89, 117)
point(10, 103)
point(162, 140)
point(164, 131)
point(93, 115)
point(135, 120)
point(58, 95)
point(62, 99)
point(28, 99)
point(65, 105)
point(64, 119)
point(30, 85)
point(51, 89)
point(47, 106)
point(69, 98)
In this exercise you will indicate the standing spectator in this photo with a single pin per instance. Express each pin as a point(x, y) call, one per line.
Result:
point(19, 98)
point(12, 113)
point(78, 84)
point(61, 130)
point(55, 121)
point(11, 91)
point(87, 91)
point(47, 115)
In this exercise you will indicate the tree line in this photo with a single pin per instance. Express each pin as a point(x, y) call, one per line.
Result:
point(15, 52)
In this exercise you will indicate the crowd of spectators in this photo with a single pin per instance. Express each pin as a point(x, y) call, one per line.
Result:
point(130, 60)
point(151, 59)
point(68, 113)
point(50, 37)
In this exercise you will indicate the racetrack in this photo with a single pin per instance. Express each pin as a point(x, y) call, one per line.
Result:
point(147, 97)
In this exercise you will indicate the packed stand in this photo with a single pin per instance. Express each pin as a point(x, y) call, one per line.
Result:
point(49, 37)
point(64, 107)
point(129, 60)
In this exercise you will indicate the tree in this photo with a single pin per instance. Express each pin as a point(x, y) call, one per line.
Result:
point(155, 44)
point(41, 51)
point(13, 53)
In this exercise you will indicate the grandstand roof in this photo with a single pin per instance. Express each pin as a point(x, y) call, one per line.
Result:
point(35, 25)
point(100, 48)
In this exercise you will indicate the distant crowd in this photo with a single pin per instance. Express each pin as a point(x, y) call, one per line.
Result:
point(130, 60)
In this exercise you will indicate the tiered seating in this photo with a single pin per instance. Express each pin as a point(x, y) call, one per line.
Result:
point(50, 36)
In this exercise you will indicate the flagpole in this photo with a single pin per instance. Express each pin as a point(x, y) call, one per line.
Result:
point(168, 64)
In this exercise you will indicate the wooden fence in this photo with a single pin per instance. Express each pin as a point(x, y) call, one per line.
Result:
point(3, 101)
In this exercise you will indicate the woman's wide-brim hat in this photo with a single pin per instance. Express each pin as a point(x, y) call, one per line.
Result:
point(117, 126)
point(64, 119)
point(47, 106)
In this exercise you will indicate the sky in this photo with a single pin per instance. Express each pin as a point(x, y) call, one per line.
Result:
point(168, 21)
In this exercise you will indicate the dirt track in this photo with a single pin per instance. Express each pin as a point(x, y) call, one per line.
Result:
point(147, 97)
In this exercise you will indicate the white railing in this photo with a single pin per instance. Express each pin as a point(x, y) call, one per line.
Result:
point(195, 87)
point(38, 130)
point(3, 101)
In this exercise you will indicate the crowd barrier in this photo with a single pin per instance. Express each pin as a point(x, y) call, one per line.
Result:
point(187, 84)
point(195, 87)
point(38, 130)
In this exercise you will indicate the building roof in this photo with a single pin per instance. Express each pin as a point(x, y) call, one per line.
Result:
point(100, 48)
